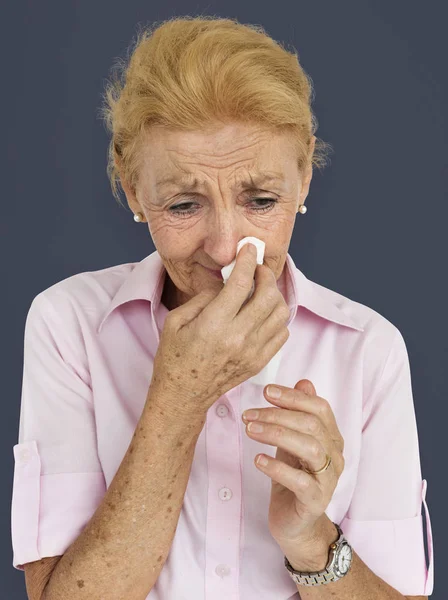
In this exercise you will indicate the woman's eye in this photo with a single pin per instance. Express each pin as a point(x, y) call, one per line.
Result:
point(265, 207)
point(180, 209)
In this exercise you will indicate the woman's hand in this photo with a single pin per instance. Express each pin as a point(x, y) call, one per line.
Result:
point(213, 343)
point(304, 429)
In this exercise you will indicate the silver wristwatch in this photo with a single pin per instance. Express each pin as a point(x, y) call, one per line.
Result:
point(339, 563)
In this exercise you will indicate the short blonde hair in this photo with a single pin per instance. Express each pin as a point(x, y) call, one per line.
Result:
point(192, 73)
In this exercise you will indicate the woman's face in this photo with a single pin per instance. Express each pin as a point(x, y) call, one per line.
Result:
point(197, 224)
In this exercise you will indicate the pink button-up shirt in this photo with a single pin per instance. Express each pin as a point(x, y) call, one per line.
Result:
point(90, 341)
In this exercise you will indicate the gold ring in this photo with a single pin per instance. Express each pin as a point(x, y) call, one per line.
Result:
point(324, 468)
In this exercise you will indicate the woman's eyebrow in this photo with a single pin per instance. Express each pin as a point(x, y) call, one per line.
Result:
point(189, 185)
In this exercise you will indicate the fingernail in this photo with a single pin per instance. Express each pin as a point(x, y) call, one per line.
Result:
point(274, 391)
point(262, 460)
point(251, 415)
point(255, 427)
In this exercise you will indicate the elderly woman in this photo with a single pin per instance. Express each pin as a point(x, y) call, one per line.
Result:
point(154, 460)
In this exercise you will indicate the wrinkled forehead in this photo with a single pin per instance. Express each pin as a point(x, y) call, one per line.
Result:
point(254, 181)
point(251, 157)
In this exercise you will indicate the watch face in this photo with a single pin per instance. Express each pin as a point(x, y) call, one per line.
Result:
point(344, 558)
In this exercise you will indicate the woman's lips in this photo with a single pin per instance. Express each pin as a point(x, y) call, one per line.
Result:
point(216, 274)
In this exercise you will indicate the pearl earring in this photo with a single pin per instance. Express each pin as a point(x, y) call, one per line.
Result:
point(302, 209)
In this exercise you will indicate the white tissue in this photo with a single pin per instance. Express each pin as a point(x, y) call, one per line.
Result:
point(269, 372)
point(260, 245)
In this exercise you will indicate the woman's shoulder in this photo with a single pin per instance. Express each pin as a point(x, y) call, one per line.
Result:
point(87, 292)
point(368, 319)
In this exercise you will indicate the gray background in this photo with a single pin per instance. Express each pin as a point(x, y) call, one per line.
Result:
point(375, 229)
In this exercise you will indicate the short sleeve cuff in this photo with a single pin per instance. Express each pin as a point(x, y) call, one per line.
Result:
point(394, 550)
point(48, 511)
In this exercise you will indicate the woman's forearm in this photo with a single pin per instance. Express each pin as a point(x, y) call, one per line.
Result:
point(121, 551)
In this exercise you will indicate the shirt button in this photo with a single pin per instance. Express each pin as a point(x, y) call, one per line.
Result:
point(222, 570)
point(222, 410)
point(225, 493)
point(24, 456)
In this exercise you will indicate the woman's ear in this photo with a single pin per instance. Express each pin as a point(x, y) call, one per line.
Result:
point(129, 192)
point(307, 176)
point(312, 145)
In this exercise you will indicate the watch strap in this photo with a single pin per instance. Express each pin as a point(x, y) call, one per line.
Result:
point(325, 576)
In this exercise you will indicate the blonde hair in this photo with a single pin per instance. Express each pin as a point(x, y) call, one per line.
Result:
point(192, 73)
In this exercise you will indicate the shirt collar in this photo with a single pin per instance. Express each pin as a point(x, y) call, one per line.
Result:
point(145, 282)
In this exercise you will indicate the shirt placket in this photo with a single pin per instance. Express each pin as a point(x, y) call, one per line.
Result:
point(224, 500)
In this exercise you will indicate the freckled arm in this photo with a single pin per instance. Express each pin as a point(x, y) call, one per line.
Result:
point(121, 551)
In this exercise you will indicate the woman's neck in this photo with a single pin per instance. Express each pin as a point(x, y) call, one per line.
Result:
point(169, 293)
